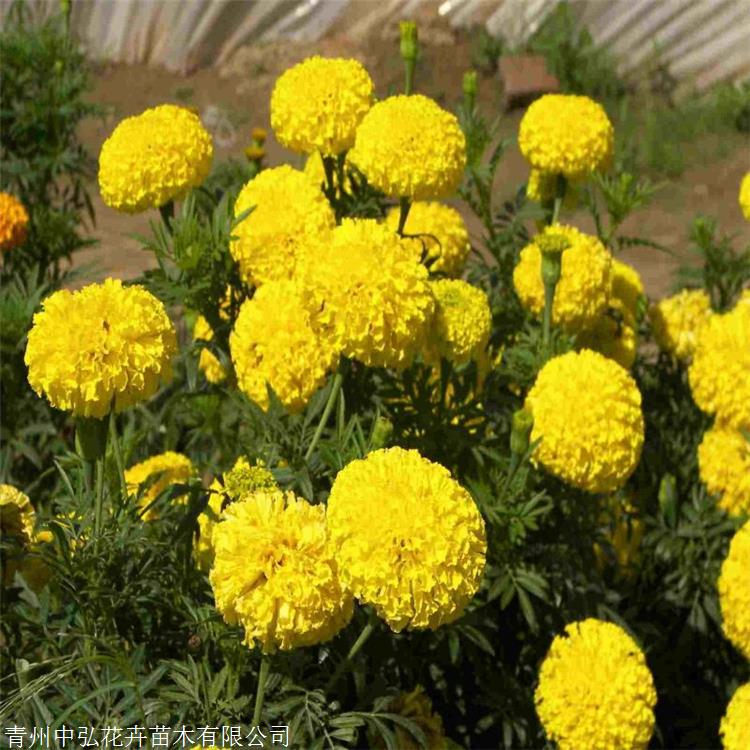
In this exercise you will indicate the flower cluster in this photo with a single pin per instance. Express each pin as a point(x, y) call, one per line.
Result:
point(274, 343)
point(274, 572)
point(407, 146)
point(677, 320)
point(566, 135)
point(735, 725)
point(585, 284)
point(410, 540)
point(106, 346)
point(148, 479)
point(724, 463)
point(154, 158)
point(367, 293)
point(14, 222)
point(267, 241)
point(595, 689)
point(734, 591)
point(442, 238)
point(587, 412)
point(318, 104)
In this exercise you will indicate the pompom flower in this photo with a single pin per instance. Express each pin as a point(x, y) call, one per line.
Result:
point(462, 322)
point(14, 221)
point(595, 689)
point(416, 706)
point(273, 342)
point(719, 374)
point(585, 284)
point(153, 158)
point(408, 146)
point(318, 104)
point(745, 196)
point(627, 287)
point(734, 591)
point(410, 540)
point(369, 295)
point(735, 725)
point(207, 361)
point(587, 412)
point(444, 239)
point(155, 475)
point(106, 346)
point(275, 572)
point(724, 463)
point(567, 135)
point(613, 335)
point(287, 210)
point(677, 320)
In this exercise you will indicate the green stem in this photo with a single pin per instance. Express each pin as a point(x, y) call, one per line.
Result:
point(99, 508)
point(167, 214)
point(404, 207)
point(329, 167)
point(353, 651)
point(549, 298)
point(556, 210)
point(335, 388)
point(561, 185)
point(409, 66)
point(118, 455)
point(88, 475)
point(515, 462)
point(260, 692)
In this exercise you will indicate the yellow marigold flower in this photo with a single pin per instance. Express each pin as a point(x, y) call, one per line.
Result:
point(719, 374)
point(153, 158)
point(408, 146)
point(677, 320)
point(16, 514)
point(587, 411)
point(369, 294)
point(14, 221)
point(462, 322)
point(734, 591)
point(318, 104)
point(208, 362)
point(627, 287)
point(567, 135)
point(273, 342)
point(444, 238)
point(103, 347)
point(410, 540)
point(595, 689)
point(745, 196)
point(613, 335)
point(275, 572)
point(724, 463)
point(735, 725)
point(268, 240)
point(542, 188)
point(242, 479)
point(155, 475)
point(417, 706)
point(585, 284)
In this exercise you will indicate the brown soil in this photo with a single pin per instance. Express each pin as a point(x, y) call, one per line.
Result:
point(240, 93)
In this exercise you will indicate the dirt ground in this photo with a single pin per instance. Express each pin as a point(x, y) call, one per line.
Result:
point(235, 98)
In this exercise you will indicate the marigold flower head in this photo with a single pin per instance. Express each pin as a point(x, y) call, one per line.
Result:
point(735, 725)
point(745, 196)
point(719, 374)
point(411, 541)
point(587, 412)
point(595, 689)
point(103, 347)
point(677, 320)
point(275, 572)
point(724, 463)
point(416, 706)
point(157, 474)
point(567, 135)
point(444, 238)
point(585, 284)
point(408, 146)
point(462, 322)
point(273, 342)
point(208, 362)
point(613, 335)
point(627, 287)
point(268, 240)
point(734, 591)
point(369, 294)
point(318, 104)
point(14, 221)
point(153, 158)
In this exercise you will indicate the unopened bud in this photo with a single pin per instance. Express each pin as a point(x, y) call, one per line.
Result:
point(258, 135)
point(470, 88)
point(255, 153)
point(381, 433)
point(520, 433)
point(551, 246)
point(409, 42)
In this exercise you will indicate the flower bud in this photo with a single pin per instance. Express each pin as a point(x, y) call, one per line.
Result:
point(470, 88)
point(409, 43)
point(381, 433)
point(520, 433)
point(258, 136)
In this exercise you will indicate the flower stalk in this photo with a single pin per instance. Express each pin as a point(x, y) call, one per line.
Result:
point(260, 692)
point(332, 396)
point(363, 637)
